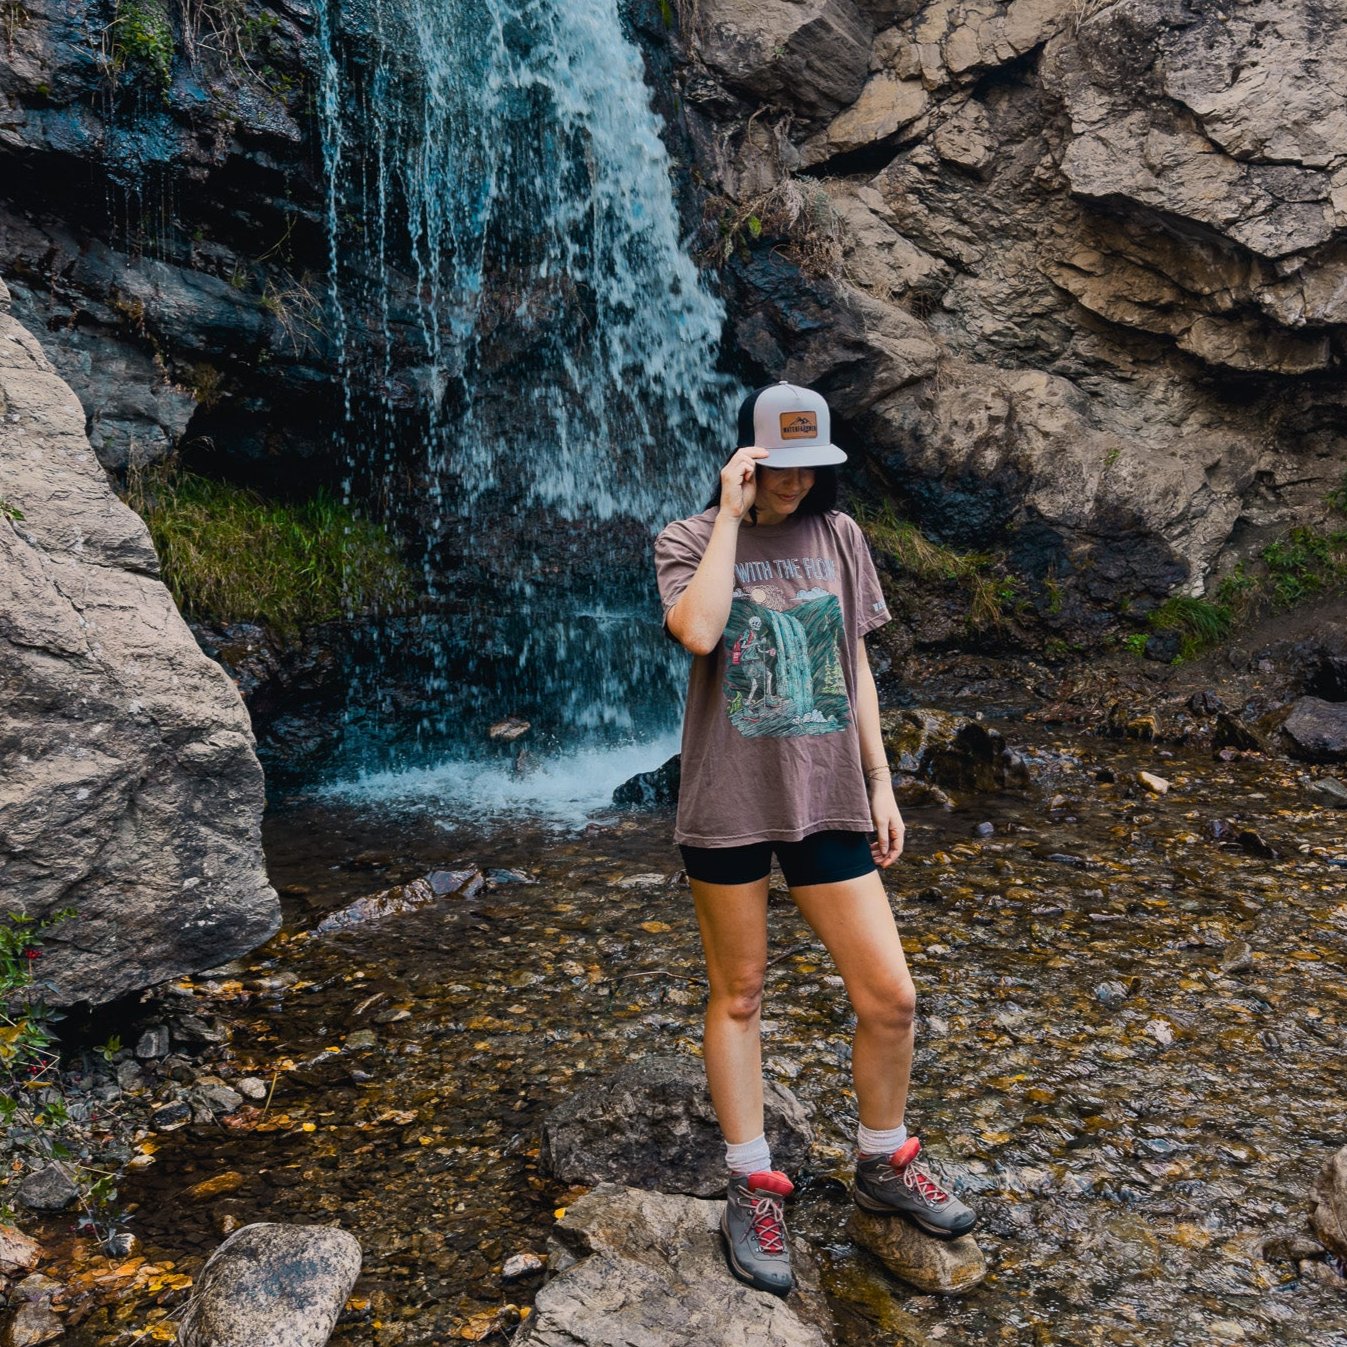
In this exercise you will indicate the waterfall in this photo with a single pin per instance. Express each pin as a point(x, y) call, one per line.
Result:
point(794, 676)
point(528, 360)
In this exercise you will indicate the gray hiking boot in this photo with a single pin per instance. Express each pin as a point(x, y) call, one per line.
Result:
point(754, 1230)
point(897, 1185)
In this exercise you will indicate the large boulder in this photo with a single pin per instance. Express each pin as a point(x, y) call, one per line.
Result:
point(272, 1285)
point(130, 790)
point(651, 1125)
point(1328, 1203)
point(1316, 730)
point(633, 1268)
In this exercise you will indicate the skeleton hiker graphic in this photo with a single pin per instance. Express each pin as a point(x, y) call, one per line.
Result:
point(751, 653)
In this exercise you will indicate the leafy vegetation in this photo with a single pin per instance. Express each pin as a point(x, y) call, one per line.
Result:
point(143, 35)
point(798, 216)
point(8, 511)
point(230, 555)
point(1306, 563)
point(991, 593)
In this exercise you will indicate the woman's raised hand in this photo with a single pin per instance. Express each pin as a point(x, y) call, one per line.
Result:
point(738, 481)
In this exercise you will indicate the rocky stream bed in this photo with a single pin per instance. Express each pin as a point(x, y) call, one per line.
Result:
point(1132, 1019)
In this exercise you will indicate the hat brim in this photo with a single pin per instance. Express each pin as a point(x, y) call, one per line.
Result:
point(803, 456)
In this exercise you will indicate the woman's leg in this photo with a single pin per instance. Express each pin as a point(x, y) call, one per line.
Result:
point(853, 919)
point(733, 920)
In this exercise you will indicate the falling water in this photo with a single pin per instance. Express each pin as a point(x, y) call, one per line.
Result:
point(529, 367)
point(794, 677)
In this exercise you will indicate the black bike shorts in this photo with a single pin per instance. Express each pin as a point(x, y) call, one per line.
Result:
point(821, 858)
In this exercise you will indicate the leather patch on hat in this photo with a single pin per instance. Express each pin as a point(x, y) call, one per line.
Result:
point(799, 425)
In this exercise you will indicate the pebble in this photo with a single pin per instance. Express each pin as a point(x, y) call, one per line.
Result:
point(252, 1087)
point(521, 1265)
point(18, 1253)
point(228, 1182)
point(1157, 785)
point(1329, 791)
point(169, 1117)
point(1161, 1031)
point(47, 1189)
point(1111, 993)
point(362, 1040)
point(1237, 957)
point(153, 1042)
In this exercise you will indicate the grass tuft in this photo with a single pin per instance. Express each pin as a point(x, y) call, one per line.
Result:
point(230, 555)
point(1199, 623)
point(990, 593)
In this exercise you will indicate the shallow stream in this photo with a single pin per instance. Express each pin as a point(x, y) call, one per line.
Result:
point(1132, 1119)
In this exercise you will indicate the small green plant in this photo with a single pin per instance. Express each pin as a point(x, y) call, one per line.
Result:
point(1305, 563)
point(799, 215)
point(1112, 456)
point(230, 555)
point(1136, 642)
point(143, 35)
point(1053, 594)
point(1199, 623)
point(8, 511)
point(1337, 498)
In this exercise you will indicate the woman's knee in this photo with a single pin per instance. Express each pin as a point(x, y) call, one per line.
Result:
point(889, 1007)
point(739, 998)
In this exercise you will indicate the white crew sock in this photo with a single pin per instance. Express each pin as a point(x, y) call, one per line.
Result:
point(871, 1143)
point(748, 1157)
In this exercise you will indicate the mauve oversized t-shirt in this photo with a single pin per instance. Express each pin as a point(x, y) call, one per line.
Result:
point(771, 752)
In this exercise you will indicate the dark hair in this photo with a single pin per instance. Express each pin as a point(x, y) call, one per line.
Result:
point(819, 499)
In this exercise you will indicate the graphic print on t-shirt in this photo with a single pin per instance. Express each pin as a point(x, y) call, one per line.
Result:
point(783, 667)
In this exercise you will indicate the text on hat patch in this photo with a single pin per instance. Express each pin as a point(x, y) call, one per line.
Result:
point(799, 425)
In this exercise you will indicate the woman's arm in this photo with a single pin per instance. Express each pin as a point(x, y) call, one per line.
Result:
point(884, 813)
point(698, 619)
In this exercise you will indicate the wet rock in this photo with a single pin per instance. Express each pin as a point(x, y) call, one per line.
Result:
point(631, 1266)
point(463, 883)
point(935, 1266)
point(1236, 957)
point(196, 1033)
point(1205, 703)
point(909, 792)
point(651, 1125)
point(508, 730)
point(1290, 1246)
point(1316, 730)
point(47, 1189)
point(505, 876)
point(18, 1253)
point(948, 750)
point(1328, 1204)
point(647, 790)
point(1111, 994)
point(171, 1116)
point(1328, 791)
point(34, 1321)
point(1231, 733)
point(252, 1087)
point(272, 1285)
point(403, 898)
point(361, 1040)
point(153, 1043)
point(1157, 785)
point(219, 1099)
point(135, 797)
point(228, 1182)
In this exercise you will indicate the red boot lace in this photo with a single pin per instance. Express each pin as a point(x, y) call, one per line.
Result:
point(925, 1185)
point(768, 1227)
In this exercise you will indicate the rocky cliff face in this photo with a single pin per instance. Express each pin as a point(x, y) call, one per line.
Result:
point(130, 790)
point(161, 223)
point(1079, 268)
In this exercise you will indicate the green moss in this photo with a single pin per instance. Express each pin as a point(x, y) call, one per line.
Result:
point(229, 555)
point(1200, 623)
point(143, 35)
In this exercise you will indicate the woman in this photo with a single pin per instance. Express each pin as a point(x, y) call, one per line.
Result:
point(773, 591)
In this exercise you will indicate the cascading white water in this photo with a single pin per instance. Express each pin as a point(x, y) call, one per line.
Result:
point(528, 363)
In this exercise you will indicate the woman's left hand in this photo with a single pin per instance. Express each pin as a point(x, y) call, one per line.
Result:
point(889, 829)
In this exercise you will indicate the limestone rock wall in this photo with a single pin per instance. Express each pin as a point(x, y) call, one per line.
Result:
point(1076, 271)
point(129, 789)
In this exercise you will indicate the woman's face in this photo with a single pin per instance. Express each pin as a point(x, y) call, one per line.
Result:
point(780, 490)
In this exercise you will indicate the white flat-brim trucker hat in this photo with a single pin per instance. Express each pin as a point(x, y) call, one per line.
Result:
point(792, 422)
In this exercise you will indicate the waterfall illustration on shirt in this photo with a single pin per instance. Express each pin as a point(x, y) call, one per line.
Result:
point(783, 666)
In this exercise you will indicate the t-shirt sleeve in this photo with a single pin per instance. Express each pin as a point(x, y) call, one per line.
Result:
point(872, 609)
point(678, 553)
